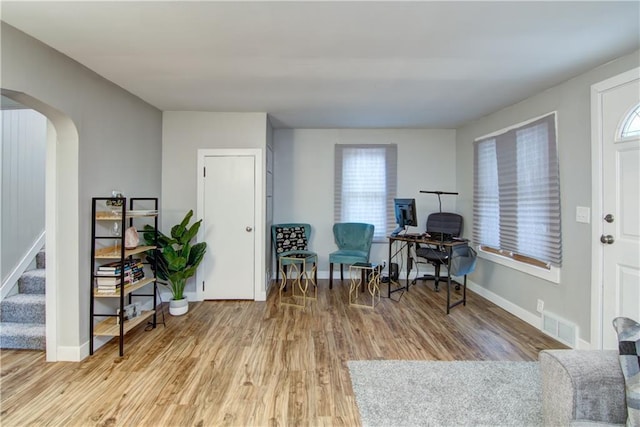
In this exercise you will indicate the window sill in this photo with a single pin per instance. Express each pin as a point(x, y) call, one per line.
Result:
point(551, 275)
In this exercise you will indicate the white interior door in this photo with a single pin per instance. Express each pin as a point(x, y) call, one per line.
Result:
point(620, 221)
point(229, 222)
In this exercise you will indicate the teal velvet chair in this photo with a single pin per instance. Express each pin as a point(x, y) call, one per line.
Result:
point(354, 245)
point(289, 240)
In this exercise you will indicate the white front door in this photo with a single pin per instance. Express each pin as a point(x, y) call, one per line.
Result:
point(229, 188)
point(619, 221)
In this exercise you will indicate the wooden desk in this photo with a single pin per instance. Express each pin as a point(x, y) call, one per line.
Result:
point(407, 242)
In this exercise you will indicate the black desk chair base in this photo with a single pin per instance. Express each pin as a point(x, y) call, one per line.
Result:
point(436, 278)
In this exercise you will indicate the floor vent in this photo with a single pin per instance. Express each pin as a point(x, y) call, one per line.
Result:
point(562, 330)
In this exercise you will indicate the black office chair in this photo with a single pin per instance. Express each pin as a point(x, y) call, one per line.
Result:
point(442, 226)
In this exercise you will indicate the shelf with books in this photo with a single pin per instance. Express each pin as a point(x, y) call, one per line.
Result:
point(128, 288)
point(117, 273)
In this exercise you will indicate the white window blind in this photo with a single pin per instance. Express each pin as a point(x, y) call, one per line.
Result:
point(365, 186)
point(516, 201)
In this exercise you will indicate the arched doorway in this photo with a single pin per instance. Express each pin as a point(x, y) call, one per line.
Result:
point(61, 212)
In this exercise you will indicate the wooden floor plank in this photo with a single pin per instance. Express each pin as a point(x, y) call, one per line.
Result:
point(243, 363)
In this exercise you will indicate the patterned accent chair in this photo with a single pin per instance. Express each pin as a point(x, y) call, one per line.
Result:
point(291, 240)
point(354, 241)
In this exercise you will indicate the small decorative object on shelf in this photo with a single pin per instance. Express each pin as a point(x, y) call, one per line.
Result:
point(118, 266)
point(131, 238)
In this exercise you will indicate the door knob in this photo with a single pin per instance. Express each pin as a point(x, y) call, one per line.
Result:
point(249, 229)
point(608, 239)
point(609, 218)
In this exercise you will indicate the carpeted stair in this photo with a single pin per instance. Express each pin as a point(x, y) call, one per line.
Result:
point(22, 316)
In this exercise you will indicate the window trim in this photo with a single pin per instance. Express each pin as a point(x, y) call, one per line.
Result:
point(551, 275)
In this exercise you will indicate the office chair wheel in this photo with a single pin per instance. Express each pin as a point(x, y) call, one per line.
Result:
point(457, 286)
point(436, 288)
point(413, 282)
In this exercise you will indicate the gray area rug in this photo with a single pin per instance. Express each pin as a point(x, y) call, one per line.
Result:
point(417, 393)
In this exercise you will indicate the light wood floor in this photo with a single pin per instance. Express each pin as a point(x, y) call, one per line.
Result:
point(240, 363)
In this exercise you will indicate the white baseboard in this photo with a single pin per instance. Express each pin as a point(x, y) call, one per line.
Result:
point(516, 310)
point(505, 304)
point(72, 354)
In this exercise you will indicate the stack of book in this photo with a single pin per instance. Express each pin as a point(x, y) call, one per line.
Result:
point(108, 276)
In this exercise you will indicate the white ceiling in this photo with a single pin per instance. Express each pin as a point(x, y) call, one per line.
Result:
point(335, 64)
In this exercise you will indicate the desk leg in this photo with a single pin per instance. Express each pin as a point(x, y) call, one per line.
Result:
point(462, 301)
point(409, 265)
point(389, 270)
point(449, 279)
point(448, 292)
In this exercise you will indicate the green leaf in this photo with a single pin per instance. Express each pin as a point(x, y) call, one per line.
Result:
point(191, 232)
point(155, 258)
point(178, 230)
point(197, 253)
point(175, 261)
point(149, 237)
point(186, 249)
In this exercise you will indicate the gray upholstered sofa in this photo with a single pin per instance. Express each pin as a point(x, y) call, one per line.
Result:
point(582, 388)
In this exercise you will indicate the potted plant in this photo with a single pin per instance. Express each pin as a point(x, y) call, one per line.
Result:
point(176, 259)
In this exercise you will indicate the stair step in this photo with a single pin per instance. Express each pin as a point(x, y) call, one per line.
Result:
point(27, 336)
point(23, 308)
point(41, 259)
point(32, 282)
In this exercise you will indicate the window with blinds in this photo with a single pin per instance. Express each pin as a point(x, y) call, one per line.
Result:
point(365, 186)
point(516, 198)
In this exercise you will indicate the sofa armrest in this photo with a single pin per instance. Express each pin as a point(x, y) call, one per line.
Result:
point(582, 385)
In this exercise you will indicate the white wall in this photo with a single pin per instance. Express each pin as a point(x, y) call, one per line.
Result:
point(570, 298)
point(118, 146)
point(304, 168)
point(184, 132)
point(24, 139)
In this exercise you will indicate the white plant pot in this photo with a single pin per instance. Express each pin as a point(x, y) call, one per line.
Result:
point(178, 307)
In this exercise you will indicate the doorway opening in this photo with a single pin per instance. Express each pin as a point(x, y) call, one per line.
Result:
point(61, 219)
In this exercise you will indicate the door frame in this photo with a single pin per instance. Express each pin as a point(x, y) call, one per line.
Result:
point(597, 249)
point(259, 293)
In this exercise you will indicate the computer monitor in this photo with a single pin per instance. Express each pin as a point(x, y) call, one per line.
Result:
point(405, 210)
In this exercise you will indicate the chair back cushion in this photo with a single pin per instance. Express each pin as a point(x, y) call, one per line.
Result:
point(445, 222)
point(354, 236)
point(290, 237)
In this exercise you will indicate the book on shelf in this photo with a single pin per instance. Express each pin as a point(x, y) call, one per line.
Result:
point(131, 267)
point(112, 282)
point(110, 289)
point(115, 266)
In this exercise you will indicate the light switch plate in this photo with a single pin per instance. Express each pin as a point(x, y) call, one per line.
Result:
point(583, 214)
